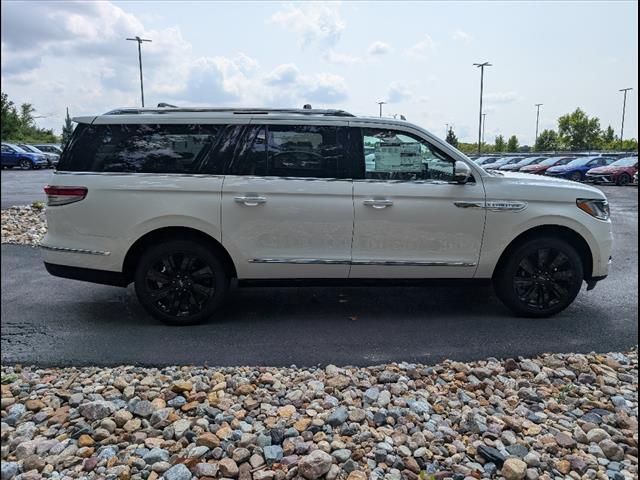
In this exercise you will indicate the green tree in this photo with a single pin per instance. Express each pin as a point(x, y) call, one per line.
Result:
point(9, 122)
point(512, 144)
point(499, 144)
point(608, 136)
point(547, 141)
point(451, 138)
point(579, 132)
point(20, 125)
point(67, 128)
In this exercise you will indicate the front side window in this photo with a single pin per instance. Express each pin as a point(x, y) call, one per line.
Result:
point(6, 149)
point(396, 155)
point(140, 148)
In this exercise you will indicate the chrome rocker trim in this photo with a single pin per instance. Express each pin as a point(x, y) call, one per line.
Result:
point(75, 250)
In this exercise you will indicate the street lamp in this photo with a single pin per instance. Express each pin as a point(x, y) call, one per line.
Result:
point(484, 124)
point(624, 107)
point(538, 105)
point(381, 103)
point(140, 40)
point(481, 66)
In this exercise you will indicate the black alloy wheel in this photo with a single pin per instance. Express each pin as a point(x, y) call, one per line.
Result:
point(180, 282)
point(540, 277)
point(624, 179)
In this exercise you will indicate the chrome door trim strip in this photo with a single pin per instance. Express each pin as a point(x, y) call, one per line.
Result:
point(301, 261)
point(75, 250)
point(413, 263)
point(403, 263)
point(465, 204)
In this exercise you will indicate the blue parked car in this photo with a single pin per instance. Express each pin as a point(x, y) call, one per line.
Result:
point(14, 156)
point(577, 169)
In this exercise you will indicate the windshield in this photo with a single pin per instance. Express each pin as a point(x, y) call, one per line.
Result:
point(503, 161)
point(529, 161)
point(18, 149)
point(555, 161)
point(29, 148)
point(625, 162)
point(578, 162)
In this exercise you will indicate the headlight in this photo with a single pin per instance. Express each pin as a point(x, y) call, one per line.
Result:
point(596, 208)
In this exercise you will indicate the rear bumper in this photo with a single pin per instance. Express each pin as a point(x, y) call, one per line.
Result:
point(102, 277)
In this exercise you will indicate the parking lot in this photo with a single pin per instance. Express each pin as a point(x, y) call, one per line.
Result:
point(51, 321)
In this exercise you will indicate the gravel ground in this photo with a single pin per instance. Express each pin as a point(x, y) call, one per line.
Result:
point(555, 416)
point(23, 225)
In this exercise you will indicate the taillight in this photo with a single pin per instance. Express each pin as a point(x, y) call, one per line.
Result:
point(64, 195)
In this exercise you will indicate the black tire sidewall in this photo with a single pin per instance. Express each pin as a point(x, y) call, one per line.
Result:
point(26, 164)
point(200, 249)
point(503, 280)
point(626, 176)
point(576, 177)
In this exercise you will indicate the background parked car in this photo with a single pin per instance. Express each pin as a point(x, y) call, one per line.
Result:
point(14, 156)
point(541, 168)
point(52, 158)
point(516, 166)
point(49, 148)
point(620, 172)
point(500, 162)
point(577, 169)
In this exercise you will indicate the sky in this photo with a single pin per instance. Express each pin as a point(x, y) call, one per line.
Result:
point(416, 56)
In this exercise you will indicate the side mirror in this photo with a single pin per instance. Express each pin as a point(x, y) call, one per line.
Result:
point(461, 172)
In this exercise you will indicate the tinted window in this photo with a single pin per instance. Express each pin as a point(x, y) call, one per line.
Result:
point(139, 148)
point(6, 149)
point(397, 155)
point(292, 151)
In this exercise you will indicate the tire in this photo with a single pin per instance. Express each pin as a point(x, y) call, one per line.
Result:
point(25, 164)
point(169, 290)
point(623, 179)
point(540, 277)
point(576, 177)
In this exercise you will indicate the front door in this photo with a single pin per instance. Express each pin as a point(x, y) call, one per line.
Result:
point(287, 209)
point(411, 219)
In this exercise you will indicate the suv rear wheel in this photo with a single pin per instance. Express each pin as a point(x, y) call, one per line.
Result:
point(540, 278)
point(180, 282)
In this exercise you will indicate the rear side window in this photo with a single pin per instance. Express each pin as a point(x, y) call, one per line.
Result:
point(306, 151)
point(139, 148)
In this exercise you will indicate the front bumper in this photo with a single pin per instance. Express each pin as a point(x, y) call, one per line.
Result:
point(599, 178)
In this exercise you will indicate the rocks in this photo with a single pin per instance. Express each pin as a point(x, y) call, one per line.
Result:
point(24, 225)
point(314, 465)
point(514, 469)
point(178, 472)
point(541, 418)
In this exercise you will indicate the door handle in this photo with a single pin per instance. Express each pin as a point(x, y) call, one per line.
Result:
point(378, 202)
point(250, 201)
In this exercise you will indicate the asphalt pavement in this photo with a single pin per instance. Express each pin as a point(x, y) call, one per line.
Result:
point(23, 187)
point(55, 322)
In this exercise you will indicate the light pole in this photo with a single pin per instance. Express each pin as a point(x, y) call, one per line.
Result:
point(140, 40)
point(624, 107)
point(481, 66)
point(484, 124)
point(538, 105)
point(446, 129)
point(381, 103)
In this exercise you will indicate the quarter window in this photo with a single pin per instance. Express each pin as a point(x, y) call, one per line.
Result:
point(396, 155)
point(140, 148)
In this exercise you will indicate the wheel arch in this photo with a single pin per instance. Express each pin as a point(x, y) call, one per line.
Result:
point(572, 237)
point(171, 233)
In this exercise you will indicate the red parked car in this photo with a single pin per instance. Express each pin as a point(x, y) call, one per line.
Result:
point(541, 167)
point(620, 172)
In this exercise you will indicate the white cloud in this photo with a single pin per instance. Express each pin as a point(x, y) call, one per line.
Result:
point(283, 75)
point(421, 49)
point(501, 97)
point(341, 58)
point(326, 88)
point(379, 48)
point(398, 92)
point(312, 22)
point(462, 36)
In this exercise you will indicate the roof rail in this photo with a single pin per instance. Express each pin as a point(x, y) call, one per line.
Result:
point(236, 111)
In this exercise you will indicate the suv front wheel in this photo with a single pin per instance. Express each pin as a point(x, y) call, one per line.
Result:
point(180, 282)
point(540, 277)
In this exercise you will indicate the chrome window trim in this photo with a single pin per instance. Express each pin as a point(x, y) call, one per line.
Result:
point(74, 250)
point(404, 263)
point(142, 174)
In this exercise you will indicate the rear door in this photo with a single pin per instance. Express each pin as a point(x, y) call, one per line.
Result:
point(287, 209)
point(411, 219)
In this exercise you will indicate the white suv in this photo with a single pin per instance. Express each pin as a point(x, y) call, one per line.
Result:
point(183, 202)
